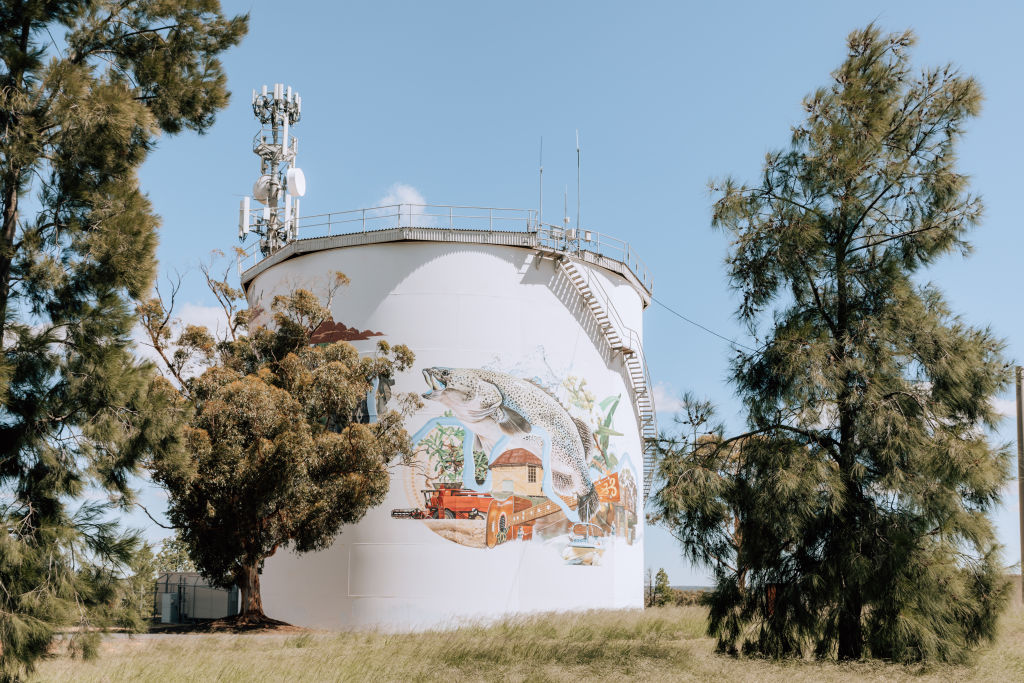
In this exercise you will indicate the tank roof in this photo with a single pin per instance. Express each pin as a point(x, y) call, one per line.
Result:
point(465, 225)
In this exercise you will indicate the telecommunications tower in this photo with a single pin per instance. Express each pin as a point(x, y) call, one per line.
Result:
point(281, 182)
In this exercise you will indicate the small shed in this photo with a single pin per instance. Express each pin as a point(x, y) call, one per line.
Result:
point(520, 467)
point(183, 597)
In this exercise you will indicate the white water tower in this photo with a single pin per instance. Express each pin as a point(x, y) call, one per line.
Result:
point(532, 453)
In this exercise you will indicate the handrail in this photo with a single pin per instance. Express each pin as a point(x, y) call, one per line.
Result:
point(630, 337)
point(579, 240)
point(631, 341)
point(459, 217)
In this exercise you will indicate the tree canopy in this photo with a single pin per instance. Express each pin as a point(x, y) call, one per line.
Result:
point(86, 89)
point(862, 487)
point(173, 556)
point(278, 450)
point(662, 592)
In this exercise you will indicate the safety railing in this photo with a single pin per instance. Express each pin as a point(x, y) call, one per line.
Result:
point(455, 217)
point(630, 338)
point(577, 240)
point(620, 335)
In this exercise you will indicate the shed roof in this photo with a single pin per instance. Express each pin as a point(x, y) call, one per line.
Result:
point(516, 456)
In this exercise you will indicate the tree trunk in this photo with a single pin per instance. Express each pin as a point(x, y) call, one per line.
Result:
point(851, 644)
point(737, 541)
point(8, 232)
point(248, 579)
point(12, 177)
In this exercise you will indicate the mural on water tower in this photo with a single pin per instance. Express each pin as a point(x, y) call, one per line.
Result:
point(506, 458)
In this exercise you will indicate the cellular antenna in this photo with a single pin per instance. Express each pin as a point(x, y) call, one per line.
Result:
point(281, 182)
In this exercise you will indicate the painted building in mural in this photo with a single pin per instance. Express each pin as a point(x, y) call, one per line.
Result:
point(518, 470)
point(524, 491)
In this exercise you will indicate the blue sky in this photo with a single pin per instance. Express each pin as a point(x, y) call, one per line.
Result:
point(452, 98)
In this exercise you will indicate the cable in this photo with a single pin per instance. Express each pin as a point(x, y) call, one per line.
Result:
point(697, 324)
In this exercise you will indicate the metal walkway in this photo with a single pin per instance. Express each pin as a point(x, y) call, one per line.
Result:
point(622, 339)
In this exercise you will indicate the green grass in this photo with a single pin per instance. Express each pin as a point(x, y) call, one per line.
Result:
point(662, 644)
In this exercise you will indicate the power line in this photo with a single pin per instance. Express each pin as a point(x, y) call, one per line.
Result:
point(697, 324)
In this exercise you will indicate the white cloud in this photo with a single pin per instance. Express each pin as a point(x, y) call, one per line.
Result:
point(666, 399)
point(413, 213)
point(400, 193)
point(1005, 407)
point(210, 317)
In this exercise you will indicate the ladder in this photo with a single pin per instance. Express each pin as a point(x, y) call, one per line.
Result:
point(622, 339)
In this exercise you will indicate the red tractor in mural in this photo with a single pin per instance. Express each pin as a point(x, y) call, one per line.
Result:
point(448, 501)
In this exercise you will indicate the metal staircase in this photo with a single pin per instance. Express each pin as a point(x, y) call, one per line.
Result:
point(624, 340)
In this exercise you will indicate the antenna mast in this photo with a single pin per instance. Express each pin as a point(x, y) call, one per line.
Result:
point(540, 210)
point(280, 180)
point(578, 185)
point(565, 206)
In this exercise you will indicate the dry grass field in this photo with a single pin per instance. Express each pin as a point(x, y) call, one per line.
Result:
point(664, 644)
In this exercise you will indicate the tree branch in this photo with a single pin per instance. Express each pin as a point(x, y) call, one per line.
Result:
point(152, 519)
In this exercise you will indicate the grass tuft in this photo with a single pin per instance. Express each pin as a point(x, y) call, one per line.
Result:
point(303, 640)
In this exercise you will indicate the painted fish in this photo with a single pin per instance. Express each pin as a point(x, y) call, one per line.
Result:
point(496, 404)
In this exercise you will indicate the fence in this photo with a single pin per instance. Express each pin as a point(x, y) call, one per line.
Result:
point(183, 597)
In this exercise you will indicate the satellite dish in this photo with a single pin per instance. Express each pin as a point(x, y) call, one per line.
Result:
point(296, 182)
point(261, 189)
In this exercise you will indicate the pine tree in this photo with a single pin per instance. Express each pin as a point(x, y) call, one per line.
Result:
point(662, 589)
point(862, 487)
point(278, 451)
point(86, 87)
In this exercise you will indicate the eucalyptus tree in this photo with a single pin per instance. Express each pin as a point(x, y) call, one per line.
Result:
point(86, 89)
point(277, 451)
point(863, 486)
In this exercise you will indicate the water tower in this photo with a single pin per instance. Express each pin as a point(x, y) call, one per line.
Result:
point(533, 450)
